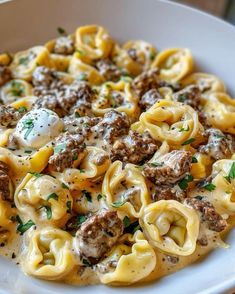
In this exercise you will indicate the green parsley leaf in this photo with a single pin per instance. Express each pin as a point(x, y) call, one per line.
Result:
point(75, 157)
point(182, 97)
point(126, 221)
point(64, 186)
point(36, 175)
point(77, 115)
point(156, 164)
point(28, 124)
point(24, 60)
point(184, 129)
point(231, 174)
point(183, 184)
point(59, 148)
point(100, 196)
point(198, 197)
point(22, 109)
point(82, 77)
point(48, 211)
point(69, 206)
point(80, 52)
point(52, 196)
point(152, 56)
point(61, 31)
point(86, 262)
point(209, 187)
point(194, 159)
point(22, 228)
point(81, 219)
point(118, 204)
point(82, 170)
point(189, 141)
point(28, 151)
point(17, 89)
point(87, 195)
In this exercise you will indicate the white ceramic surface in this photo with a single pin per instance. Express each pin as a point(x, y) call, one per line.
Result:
point(28, 22)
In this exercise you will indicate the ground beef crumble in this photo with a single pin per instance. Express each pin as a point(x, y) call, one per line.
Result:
point(5, 182)
point(9, 116)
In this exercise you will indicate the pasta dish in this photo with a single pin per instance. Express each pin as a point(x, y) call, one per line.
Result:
point(117, 162)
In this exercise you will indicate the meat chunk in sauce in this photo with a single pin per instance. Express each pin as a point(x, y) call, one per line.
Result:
point(149, 99)
point(134, 148)
point(219, 145)
point(168, 192)
point(146, 81)
point(5, 75)
point(43, 76)
point(171, 167)
point(68, 148)
point(190, 95)
point(108, 70)
point(64, 45)
point(113, 125)
point(49, 102)
point(98, 234)
point(9, 116)
point(5, 182)
point(208, 214)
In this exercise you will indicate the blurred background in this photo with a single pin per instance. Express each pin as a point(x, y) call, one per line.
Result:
point(222, 8)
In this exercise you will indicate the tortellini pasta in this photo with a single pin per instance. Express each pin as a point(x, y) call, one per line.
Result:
point(171, 227)
point(174, 64)
point(48, 254)
point(118, 96)
point(128, 264)
point(14, 90)
point(220, 112)
point(125, 189)
point(25, 62)
point(44, 199)
point(6, 224)
point(174, 122)
point(93, 42)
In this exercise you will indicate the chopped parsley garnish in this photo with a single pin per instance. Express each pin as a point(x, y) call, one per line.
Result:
point(81, 170)
point(132, 227)
point(126, 221)
point(17, 89)
point(194, 159)
point(69, 206)
point(117, 204)
point(86, 262)
point(87, 195)
point(48, 211)
point(22, 228)
point(22, 109)
point(36, 175)
point(156, 164)
point(100, 196)
point(183, 184)
point(189, 141)
point(28, 151)
point(182, 97)
point(24, 60)
point(152, 56)
point(77, 115)
point(59, 148)
point(209, 186)
point(80, 52)
point(231, 174)
point(64, 186)
point(81, 219)
point(75, 157)
point(61, 31)
point(28, 125)
point(184, 129)
point(52, 196)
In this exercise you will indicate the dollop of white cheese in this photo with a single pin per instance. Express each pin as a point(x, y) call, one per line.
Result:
point(38, 127)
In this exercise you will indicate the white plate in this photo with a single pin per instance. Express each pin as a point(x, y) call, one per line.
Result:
point(28, 22)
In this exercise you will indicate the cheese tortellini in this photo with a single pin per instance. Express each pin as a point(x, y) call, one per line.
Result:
point(174, 64)
point(171, 121)
point(118, 96)
point(125, 189)
point(128, 264)
point(171, 227)
point(48, 254)
point(44, 199)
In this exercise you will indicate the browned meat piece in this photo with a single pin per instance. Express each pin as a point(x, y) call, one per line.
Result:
point(108, 70)
point(171, 167)
point(68, 148)
point(146, 81)
point(134, 148)
point(64, 45)
point(149, 99)
point(80, 125)
point(189, 95)
point(43, 76)
point(113, 125)
point(5, 182)
point(98, 234)
point(219, 145)
point(5, 74)
point(9, 116)
point(167, 192)
point(77, 92)
point(208, 214)
point(49, 102)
